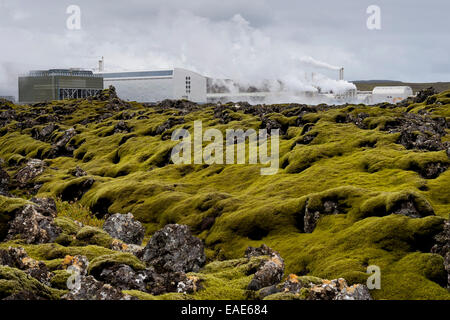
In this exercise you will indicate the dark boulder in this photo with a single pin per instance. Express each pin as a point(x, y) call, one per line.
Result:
point(62, 147)
point(312, 215)
point(124, 277)
point(338, 290)
point(270, 272)
point(31, 170)
point(35, 222)
point(174, 249)
point(121, 127)
point(87, 288)
point(4, 182)
point(433, 170)
point(125, 228)
point(44, 133)
point(442, 247)
point(423, 94)
point(18, 258)
point(78, 172)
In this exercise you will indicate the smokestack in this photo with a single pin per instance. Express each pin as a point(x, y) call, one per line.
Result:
point(100, 65)
point(341, 74)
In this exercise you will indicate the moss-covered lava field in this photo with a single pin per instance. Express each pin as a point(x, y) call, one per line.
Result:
point(357, 186)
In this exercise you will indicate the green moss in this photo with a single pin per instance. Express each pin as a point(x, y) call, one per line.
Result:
point(363, 170)
point(59, 280)
point(92, 236)
point(101, 262)
point(286, 296)
point(51, 251)
point(14, 281)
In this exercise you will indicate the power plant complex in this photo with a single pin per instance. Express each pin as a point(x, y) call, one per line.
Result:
point(178, 83)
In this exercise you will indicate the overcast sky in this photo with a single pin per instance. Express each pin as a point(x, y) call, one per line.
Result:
point(234, 38)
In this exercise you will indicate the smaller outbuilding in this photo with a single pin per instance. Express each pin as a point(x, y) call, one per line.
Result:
point(391, 94)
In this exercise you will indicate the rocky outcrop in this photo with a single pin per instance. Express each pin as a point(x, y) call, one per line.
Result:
point(419, 132)
point(311, 215)
point(424, 94)
point(35, 222)
point(61, 146)
point(442, 247)
point(174, 249)
point(125, 228)
point(87, 288)
point(4, 182)
point(338, 290)
point(124, 277)
point(18, 258)
point(31, 170)
point(312, 288)
point(270, 272)
point(45, 133)
point(78, 172)
point(121, 127)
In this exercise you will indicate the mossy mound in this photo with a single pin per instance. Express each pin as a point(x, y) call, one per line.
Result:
point(14, 281)
point(388, 206)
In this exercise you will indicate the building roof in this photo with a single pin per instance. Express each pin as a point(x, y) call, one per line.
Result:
point(137, 74)
point(393, 90)
point(61, 72)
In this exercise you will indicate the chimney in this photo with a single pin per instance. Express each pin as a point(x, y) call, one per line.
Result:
point(100, 65)
point(341, 74)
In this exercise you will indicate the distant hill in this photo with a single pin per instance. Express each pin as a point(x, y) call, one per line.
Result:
point(368, 85)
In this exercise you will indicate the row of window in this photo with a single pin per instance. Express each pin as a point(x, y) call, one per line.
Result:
point(188, 85)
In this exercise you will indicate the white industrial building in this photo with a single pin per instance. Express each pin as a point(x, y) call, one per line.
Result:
point(157, 85)
point(390, 94)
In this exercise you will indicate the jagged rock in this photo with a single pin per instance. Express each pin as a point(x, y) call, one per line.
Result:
point(107, 94)
point(168, 124)
point(4, 182)
point(338, 290)
point(125, 228)
point(121, 127)
point(311, 216)
point(18, 258)
point(422, 141)
point(190, 285)
point(87, 288)
point(423, 94)
point(161, 283)
point(174, 249)
point(271, 124)
point(35, 222)
point(31, 170)
point(408, 208)
point(24, 295)
point(118, 245)
point(61, 146)
point(78, 172)
point(270, 272)
point(45, 133)
point(442, 247)
point(355, 292)
point(433, 170)
point(419, 131)
point(124, 277)
point(307, 138)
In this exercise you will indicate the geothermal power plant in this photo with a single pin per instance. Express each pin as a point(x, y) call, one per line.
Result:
point(178, 83)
